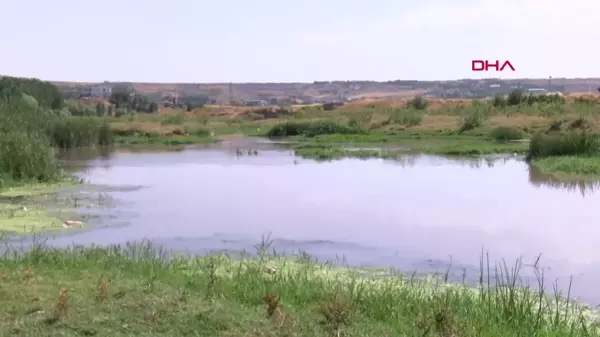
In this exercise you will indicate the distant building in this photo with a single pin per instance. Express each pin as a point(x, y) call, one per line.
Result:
point(96, 91)
point(256, 102)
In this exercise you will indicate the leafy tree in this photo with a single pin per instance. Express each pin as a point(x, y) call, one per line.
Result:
point(120, 97)
point(515, 97)
point(100, 109)
point(46, 94)
point(499, 101)
point(153, 107)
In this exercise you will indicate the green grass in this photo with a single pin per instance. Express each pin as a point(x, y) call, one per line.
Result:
point(570, 167)
point(310, 129)
point(323, 152)
point(132, 290)
point(564, 144)
point(162, 141)
point(29, 136)
point(504, 134)
point(482, 148)
point(569, 156)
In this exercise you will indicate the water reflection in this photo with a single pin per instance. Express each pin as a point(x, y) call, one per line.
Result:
point(539, 179)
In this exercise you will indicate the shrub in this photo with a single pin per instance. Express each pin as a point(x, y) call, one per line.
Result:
point(310, 129)
point(504, 134)
point(499, 101)
point(574, 143)
point(418, 103)
point(80, 132)
point(197, 131)
point(515, 97)
point(471, 121)
point(173, 119)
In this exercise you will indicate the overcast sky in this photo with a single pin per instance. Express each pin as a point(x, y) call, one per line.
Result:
point(296, 41)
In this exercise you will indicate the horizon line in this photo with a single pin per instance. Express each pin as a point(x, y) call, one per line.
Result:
point(300, 82)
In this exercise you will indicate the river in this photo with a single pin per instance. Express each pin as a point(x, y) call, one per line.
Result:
point(420, 212)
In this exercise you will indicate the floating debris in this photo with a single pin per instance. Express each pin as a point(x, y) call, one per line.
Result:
point(72, 224)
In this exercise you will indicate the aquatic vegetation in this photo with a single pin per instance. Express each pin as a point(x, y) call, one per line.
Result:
point(139, 289)
point(570, 167)
point(327, 152)
point(35, 208)
point(310, 129)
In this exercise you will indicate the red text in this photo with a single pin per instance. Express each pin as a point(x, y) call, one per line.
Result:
point(485, 65)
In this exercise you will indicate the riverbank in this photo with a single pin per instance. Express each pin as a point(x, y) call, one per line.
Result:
point(570, 168)
point(568, 156)
point(329, 140)
point(132, 290)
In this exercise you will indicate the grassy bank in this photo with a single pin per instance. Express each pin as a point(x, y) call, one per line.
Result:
point(446, 127)
point(570, 156)
point(130, 291)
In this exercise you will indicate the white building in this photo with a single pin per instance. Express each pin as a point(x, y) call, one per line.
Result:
point(97, 91)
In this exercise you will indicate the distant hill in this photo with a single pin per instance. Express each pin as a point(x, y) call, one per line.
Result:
point(317, 91)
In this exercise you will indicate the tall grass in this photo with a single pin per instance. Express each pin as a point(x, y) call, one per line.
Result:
point(504, 134)
point(564, 144)
point(311, 129)
point(25, 149)
point(140, 290)
point(80, 132)
point(30, 134)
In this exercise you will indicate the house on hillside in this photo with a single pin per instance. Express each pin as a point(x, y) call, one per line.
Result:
point(96, 91)
point(257, 102)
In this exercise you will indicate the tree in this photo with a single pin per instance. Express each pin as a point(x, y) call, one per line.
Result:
point(110, 110)
point(153, 107)
point(515, 97)
point(46, 94)
point(120, 96)
point(100, 109)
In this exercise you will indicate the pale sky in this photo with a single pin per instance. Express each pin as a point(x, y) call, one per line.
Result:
point(296, 41)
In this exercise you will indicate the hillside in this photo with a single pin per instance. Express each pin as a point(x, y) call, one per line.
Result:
point(308, 92)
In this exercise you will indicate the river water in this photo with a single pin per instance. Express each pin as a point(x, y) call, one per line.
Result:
point(420, 212)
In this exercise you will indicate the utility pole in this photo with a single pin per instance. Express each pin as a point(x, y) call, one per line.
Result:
point(550, 84)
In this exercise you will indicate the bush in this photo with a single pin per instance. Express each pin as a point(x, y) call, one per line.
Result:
point(197, 131)
point(310, 129)
point(173, 119)
point(418, 103)
point(515, 97)
point(407, 117)
point(25, 149)
point(471, 121)
point(28, 135)
point(499, 101)
point(504, 134)
point(574, 143)
point(80, 132)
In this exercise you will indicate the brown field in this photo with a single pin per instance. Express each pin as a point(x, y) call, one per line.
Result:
point(222, 92)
